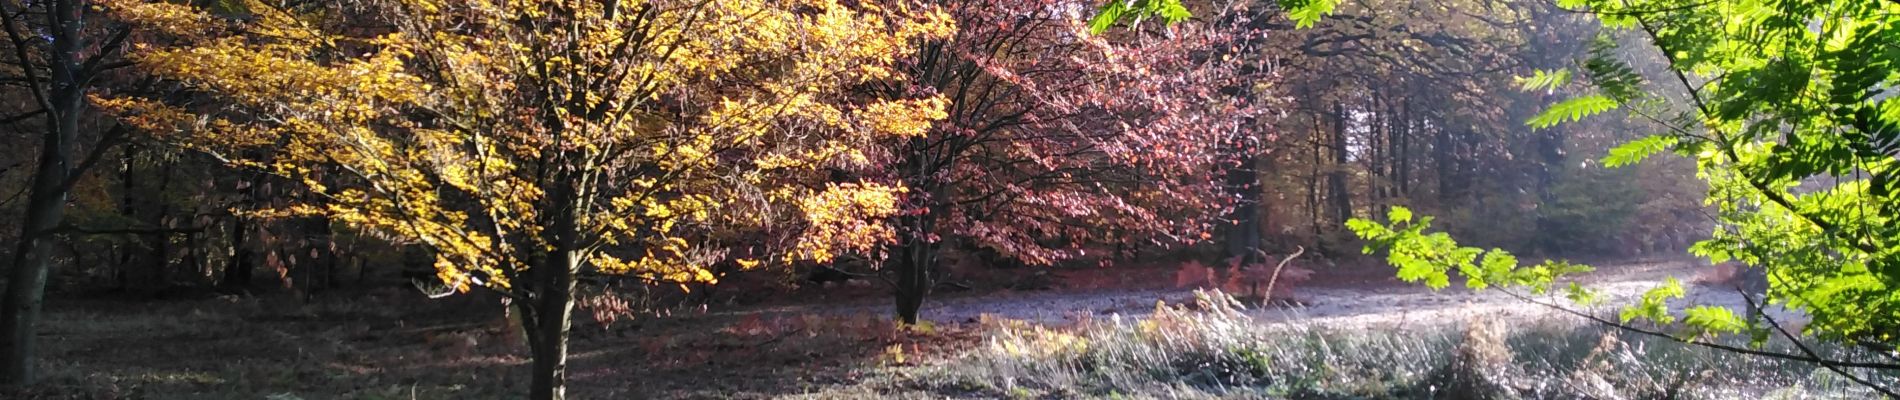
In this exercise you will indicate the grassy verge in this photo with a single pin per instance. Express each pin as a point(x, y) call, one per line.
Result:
point(1210, 350)
point(367, 348)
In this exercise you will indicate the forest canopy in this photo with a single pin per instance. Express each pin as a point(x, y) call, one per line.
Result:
point(641, 157)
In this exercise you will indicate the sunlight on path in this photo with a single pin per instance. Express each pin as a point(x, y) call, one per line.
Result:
point(1403, 307)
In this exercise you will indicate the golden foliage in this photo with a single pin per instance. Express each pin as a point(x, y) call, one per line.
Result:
point(847, 218)
point(498, 131)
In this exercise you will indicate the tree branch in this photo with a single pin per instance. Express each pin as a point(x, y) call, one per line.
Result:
point(1810, 352)
point(1717, 346)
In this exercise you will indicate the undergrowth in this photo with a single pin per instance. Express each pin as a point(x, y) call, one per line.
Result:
point(1211, 349)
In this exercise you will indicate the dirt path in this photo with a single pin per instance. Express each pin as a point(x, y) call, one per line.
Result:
point(1350, 306)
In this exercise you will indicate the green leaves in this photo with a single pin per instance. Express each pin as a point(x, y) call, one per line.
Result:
point(1430, 257)
point(1572, 110)
point(1547, 81)
point(1580, 295)
point(1714, 319)
point(1305, 13)
point(1497, 264)
point(1169, 11)
point(1399, 215)
point(1654, 305)
point(1610, 74)
point(1107, 15)
point(1636, 150)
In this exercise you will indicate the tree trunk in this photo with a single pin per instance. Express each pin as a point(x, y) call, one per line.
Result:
point(1401, 144)
point(26, 284)
point(554, 308)
point(1376, 154)
point(917, 255)
point(1312, 178)
point(1443, 158)
point(1243, 225)
point(238, 273)
point(157, 260)
point(26, 287)
point(128, 207)
point(1340, 193)
point(1268, 226)
point(548, 318)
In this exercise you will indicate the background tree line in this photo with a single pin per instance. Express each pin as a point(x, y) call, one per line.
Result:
point(524, 148)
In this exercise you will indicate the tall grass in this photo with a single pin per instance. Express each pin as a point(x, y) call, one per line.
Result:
point(1211, 349)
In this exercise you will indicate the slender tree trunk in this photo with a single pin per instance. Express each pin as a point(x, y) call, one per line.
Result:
point(1468, 168)
point(1340, 193)
point(238, 273)
point(128, 207)
point(1401, 145)
point(1243, 225)
point(26, 286)
point(1268, 226)
point(1444, 158)
point(192, 261)
point(1312, 177)
point(157, 261)
point(1376, 154)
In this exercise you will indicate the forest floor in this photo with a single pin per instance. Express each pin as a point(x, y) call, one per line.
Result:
point(393, 344)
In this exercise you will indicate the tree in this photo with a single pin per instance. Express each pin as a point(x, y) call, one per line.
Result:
point(528, 142)
point(1791, 134)
point(1058, 142)
point(1402, 74)
point(63, 40)
point(1785, 110)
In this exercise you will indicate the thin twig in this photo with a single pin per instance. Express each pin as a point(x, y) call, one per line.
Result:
point(1759, 310)
point(1717, 346)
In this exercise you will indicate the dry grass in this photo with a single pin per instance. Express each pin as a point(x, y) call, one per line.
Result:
point(389, 346)
point(370, 347)
point(1209, 350)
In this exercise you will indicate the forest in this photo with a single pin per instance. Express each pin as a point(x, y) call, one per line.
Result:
point(982, 199)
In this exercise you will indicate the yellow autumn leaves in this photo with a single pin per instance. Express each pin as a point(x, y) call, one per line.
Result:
point(845, 218)
point(452, 124)
point(905, 117)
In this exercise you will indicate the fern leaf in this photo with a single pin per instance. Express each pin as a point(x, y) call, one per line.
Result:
point(1572, 110)
point(1636, 150)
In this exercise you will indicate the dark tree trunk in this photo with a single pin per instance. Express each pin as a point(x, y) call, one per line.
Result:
point(238, 273)
point(46, 203)
point(917, 255)
point(26, 284)
point(548, 309)
point(192, 261)
point(1550, 148)
point(1444, 159)
point(128, 207)
point(1468, 167)
point(1243, 225)
point(1312, 177)
point(1338, 192)
point(316, 259)
point(552, 318)
point(1266, 222)
point(64, 102)
point(1401, 144)
point(157, 260)
point(1376, 160)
